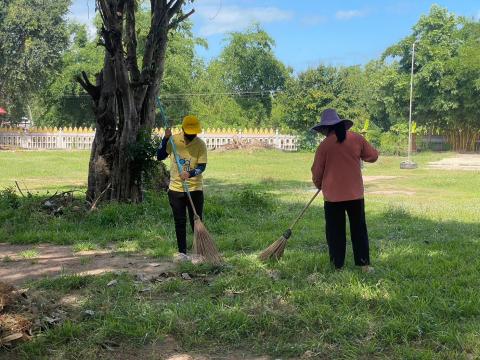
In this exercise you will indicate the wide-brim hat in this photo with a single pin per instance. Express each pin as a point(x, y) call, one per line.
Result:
point(329, 118)
point(191, 125)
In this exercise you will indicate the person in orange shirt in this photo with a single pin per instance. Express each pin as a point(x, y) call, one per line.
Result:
point(336, 170)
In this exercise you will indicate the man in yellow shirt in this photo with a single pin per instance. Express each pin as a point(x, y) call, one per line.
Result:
point(192, 153)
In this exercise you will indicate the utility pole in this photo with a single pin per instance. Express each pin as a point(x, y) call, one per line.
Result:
point(409, 164)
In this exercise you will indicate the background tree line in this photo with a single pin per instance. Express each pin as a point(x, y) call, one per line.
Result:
point(41, 52)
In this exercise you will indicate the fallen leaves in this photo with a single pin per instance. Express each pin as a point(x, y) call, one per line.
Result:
point(185, 276)
point(112, 283)
point(8, 339)
point(24, 313)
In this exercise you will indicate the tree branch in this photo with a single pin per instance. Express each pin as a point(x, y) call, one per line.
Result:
point(18, 187)
point(179, 19)
point(159, 14)
point(92, 90)
point(174, 7)
point(104, 11)
point(95, 202)
point(131, 41)
point(158, 31)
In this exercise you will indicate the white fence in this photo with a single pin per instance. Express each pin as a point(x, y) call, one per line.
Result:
point(82, 138)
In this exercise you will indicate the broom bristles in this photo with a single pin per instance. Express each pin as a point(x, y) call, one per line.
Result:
point(275, 250)
point(204, 245)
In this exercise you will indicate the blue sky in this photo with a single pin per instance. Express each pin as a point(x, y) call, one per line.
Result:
point(310, 32)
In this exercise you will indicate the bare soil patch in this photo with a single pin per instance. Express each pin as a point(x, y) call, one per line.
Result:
point(391, 192)
point(51, 261)
point(372, 178)
point(371, 182)
point(169, 349)
point(460, 162)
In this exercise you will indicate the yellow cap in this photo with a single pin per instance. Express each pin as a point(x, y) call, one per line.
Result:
point(191, 125)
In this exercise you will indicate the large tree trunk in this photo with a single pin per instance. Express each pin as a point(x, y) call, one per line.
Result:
point(124, 95)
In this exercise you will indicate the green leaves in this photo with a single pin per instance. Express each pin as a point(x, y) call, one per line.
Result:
point(33, 35)
point(325, 87)
point(249, 66)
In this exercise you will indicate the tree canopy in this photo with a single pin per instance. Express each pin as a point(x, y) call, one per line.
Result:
point(33, 36)
point(247, 85)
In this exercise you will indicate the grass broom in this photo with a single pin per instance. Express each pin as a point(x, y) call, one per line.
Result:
point(203, 243)
point(275, 250)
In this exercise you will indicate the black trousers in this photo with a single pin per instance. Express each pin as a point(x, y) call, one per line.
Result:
point(179, 203)
point(336, 232)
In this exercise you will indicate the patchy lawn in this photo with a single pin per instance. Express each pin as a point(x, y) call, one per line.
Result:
point(422, 301)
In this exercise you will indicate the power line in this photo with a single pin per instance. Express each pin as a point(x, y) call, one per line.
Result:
point(182, 95)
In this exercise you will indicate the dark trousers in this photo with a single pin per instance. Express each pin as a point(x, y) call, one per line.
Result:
point(336, 232)
point(179, 203)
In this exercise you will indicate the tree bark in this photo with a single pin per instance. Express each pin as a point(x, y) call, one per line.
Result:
point(124, 96)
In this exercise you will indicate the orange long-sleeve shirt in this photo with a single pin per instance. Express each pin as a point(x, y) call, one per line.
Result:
point(336, 169)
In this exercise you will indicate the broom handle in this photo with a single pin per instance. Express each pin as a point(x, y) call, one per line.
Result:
point(177, 160)
point(304, 209)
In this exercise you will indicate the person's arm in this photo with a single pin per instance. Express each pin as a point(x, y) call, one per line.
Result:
point(369, 153)
point(163, 151)
point(198, 170)
point(318, 167)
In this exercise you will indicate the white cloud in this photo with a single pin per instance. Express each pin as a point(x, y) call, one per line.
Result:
point(349, 14)
point(223, 19)
point(313, 20)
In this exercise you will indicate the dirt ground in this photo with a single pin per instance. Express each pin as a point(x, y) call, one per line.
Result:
point(169, 350)
point(20, 321)
point(52, 260)
point(459, 162)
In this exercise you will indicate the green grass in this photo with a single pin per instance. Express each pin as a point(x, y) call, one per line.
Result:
point(422, 302)
point(29, 254)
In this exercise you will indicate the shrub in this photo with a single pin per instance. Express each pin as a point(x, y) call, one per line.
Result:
point(9, 198)
point(308, 141)
point(158, 177)
point(251, 199)
point(395, 141)
point(143, 154)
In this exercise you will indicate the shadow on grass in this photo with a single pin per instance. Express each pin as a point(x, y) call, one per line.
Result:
point(422, 299)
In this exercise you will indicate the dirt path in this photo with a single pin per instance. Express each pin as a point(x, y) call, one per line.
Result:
point(50, 261)
point(46, 260)
point(372, 178)
point(459, 162)
point(169, 349)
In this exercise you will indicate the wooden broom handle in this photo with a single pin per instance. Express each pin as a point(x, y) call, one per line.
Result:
point(304, 209)
point(185, 187)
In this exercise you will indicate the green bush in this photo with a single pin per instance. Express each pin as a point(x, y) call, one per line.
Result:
point(9, 198)
point(158, 177)
point(143, 154)
point(374, 137)
point(308, 141)
point(395, 141)
point(251, 199)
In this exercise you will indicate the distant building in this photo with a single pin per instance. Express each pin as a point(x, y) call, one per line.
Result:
point(25, 123)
